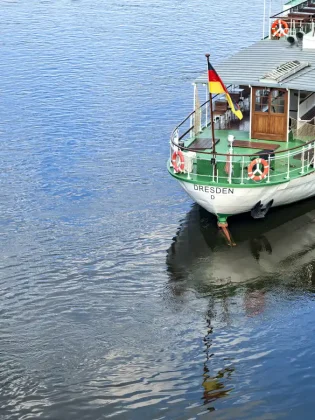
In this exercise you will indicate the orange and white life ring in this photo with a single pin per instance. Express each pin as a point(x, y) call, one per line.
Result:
point(256, 174)
point(178, 161)
point(279, 28)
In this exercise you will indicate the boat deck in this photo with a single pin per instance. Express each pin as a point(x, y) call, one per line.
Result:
point(283, 166)
point(243, 144)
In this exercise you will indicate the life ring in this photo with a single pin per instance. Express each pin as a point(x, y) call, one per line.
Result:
point(178, 161)
point(252, 173)
point(279, 28)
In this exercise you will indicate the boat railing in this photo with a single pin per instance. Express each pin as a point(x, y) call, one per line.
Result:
point(258, 168)
point(233, 167)
point(195, 122)
point(297, 27)
point(305, 8)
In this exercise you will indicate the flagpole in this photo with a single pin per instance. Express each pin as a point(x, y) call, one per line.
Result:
point(211, 113)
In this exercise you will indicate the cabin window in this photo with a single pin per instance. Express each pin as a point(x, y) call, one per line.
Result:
point(277, 101)
point(262, 100)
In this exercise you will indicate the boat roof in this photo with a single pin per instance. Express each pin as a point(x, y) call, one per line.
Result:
point(251, 66)
point(292, 3)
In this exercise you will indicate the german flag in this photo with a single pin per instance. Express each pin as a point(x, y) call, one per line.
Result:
point(217, 86)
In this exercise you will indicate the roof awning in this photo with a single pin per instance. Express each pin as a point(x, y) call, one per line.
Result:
point(285, 65)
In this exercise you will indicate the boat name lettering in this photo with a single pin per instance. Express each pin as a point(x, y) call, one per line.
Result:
point(213, 190)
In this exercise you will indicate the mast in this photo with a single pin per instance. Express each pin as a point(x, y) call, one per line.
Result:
point(211, 111)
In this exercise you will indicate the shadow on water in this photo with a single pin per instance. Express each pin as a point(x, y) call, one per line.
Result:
point(280, 247)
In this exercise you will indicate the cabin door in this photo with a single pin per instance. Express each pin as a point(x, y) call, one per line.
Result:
point(269, 114)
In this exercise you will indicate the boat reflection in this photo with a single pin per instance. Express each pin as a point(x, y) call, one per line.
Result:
point(272, 256)
point(214, 386)
point(278, 248)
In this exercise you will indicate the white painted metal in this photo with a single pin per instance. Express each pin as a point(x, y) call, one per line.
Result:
point(303, 160)
point(309, 40)
point(230, 157)
point(242, 174)
point(220, 200)
point(264, 19)
point(192, 118)
point(207, 97)
point(288, 113)
point(189, 162)
point(250, 111)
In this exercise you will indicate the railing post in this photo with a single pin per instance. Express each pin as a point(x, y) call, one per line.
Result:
point(193, 115)
point(191, 125)
point(176, 139)
point(268, 176)
point(230, 157)
point(288, 166)
point(303, 160)
point(173, 148)
point(171, 152)
point(213, 169)
point(243, 164)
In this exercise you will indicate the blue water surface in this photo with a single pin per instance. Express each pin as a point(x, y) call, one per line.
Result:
point(119, 298)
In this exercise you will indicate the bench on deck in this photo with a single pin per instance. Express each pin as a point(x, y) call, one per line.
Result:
point(256, 145)
point(202, 144)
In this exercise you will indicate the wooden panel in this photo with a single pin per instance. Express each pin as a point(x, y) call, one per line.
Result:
point(269, 114)
point(202, 144)
point(256, 145)
point(277, 126)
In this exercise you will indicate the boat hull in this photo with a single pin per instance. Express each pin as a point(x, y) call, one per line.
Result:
point(222, 200)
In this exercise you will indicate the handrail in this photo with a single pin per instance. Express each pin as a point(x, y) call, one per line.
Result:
point(223, 154)
point(307, 121)
point(240, 155)
point(186, 132)
point(291, 9)
point(193, 112)
point(306, 98)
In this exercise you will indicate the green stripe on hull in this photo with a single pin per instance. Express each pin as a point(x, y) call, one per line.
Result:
point(200, 180)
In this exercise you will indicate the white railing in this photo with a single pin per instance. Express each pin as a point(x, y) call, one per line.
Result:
point(233, 168)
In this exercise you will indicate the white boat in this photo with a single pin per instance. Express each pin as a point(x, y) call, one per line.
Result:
point(266, 159)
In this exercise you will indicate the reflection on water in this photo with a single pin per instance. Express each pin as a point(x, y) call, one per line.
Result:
point(250, 291)
point(215, 386)
point(278, 249)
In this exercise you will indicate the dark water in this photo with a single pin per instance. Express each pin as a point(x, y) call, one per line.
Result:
point(119, 297)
